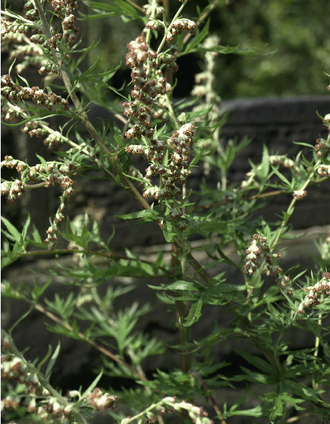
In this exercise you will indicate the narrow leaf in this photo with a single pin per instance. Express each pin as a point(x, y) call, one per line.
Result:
point(194, 313)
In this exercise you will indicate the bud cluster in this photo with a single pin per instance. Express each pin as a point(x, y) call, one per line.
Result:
point(299, 194)
point(36, 398)
point(316, 293)
point(13, 31)
point(260, 248)
point(322, 147)
point(55, 174)
point(204, 81)
point(102, 401)
point(12, 190)
point(149, 87)
point(180, 25)
point(15, 92)
point(323, 170)
point(40, 129)
point(8, 113)
point(176, 171)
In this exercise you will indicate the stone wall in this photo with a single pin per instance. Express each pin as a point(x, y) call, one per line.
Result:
point(273, 122)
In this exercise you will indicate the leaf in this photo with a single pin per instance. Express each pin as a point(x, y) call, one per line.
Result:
point(226, 259)
point(233, 50)
point(241, 399)
point(257, 362)
point(43, 162)
point(194, 313)
point(282, 177)
point(13, 234)
point(256, 377)
point(52, 361)
point(253, 412)
point(303, 391)
point(92, 386)
point(141, 217)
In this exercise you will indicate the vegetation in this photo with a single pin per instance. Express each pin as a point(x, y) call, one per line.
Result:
point(170, 138)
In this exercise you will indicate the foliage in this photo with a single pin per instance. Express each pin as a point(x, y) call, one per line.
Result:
point(290, 37)
point(173, 138)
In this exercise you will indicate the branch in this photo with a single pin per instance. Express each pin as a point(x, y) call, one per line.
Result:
point(54, 318)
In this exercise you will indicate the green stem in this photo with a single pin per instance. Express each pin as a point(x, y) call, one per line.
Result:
point(135, 5)
point(201, 19)
point(116, 165)
point(180, 316)
point(170, 26)
point(293, 202)
point(316, 350)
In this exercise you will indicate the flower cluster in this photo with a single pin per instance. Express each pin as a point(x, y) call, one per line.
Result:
point(63, 10)
point(323, 170)
point(316, 293)
point(102, 401)
point(12, 190)
point(36, 398)
point(204, 81)
point(177, 27)
point(322, 147)
point(171, 405)
point(176, 171)
point(260, 248)
point(13, 31)
point(15, 93)
point(299, 194)
point(149, 85)
point(180, 25)
point(40, 129)
point(55, 174)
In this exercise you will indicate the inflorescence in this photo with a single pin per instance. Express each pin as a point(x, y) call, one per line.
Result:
point(149, 90)
point(260, 248)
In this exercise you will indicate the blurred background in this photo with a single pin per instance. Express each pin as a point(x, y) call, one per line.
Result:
point(291, 35)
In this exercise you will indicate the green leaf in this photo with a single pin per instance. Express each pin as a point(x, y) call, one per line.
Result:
point(282, 177)
point(13, 234)
point(92, 386)
point(256, 377)
point(141, 217)
point(253, 412)
point(303, 391)
point(257, 362)
point(43, 162)
point(194, 313)
point(52, 361)
point(120, 8)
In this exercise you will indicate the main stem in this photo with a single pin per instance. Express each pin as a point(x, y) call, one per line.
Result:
point(114, 162)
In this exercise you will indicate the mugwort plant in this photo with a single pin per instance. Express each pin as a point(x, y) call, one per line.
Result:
point(170, 138)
